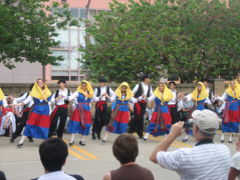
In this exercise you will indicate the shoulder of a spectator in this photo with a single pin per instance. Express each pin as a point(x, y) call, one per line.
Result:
point(77, 177)
point(107, 176)
point(236, 157)
point(177, 155)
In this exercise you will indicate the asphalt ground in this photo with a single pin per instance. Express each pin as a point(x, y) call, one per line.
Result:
point(91, 161)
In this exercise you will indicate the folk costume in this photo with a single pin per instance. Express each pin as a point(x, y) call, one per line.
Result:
point(60, 111)
point(102, 115)
point(121, 113)
point(25, 113)
point(81, 119)
point(200, 98)
point(172, 104)
point(231, 112)
point(38, 122)
point(2, 104)
point(137, 123)
point(161, 121)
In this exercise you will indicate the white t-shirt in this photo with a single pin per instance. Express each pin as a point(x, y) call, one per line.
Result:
point(236, 162)
point(202, 162)
point(58, 175)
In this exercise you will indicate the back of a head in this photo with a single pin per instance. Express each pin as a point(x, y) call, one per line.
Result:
point(53, 153)
point(125, 148)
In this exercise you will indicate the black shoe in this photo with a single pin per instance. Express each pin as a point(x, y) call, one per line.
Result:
point(230, 141)
point(59, 137)
point(222, 141)
point(185, 139)
point(93, 136)
point(145, 139)
point(141, 137)
point(19, 145)
point(99, 136)
point(12, 140)
point(30, 140)
point(103, 141)
point(71, 143)
point(82, 143)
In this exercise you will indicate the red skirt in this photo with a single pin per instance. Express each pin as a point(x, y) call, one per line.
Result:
point(166, 117)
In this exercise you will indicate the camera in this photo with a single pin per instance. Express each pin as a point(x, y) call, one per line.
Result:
point(188, 124)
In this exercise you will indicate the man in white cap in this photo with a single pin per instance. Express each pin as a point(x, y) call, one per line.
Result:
point(205, 160)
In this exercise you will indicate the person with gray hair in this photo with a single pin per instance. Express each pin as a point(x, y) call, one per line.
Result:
point(205, 160)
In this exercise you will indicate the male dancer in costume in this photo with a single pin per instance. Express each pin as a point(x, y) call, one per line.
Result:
point(102, 95)
point(141, 91)
point(25, 113)
point(60, 112)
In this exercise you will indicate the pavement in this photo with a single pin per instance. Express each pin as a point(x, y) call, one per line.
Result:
point(91, 161)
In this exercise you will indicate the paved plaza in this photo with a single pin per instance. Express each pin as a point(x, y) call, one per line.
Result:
point(91, 161)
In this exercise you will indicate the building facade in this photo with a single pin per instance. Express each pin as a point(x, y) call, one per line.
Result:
point(70, 39)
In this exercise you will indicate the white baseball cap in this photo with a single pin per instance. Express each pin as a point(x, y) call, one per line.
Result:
point(206, 121)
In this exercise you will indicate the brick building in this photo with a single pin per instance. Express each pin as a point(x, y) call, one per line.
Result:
point(71, 39)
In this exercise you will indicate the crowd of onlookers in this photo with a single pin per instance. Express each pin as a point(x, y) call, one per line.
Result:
point(204, 161)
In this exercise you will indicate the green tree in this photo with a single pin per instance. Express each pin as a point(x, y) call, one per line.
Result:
point(193, 38)
point(27, 30)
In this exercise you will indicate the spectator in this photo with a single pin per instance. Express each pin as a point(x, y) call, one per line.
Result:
point(235, 165)
point(185, 109)
point(205, 160)
point(53, 153)
point(2, 176)
point(125, 150)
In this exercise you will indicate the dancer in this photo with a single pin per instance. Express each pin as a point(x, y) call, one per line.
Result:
point(141, 91)
point(38, 123)
point(25, 113)
point(161, 118)
point(103, 93)
point(210, 93)
point(3, 103)
point(231, 112)
point(199, 96)
point(60, 99)
point(185, 109)
point(81, 120)
point(172, 104)
point(121, 110)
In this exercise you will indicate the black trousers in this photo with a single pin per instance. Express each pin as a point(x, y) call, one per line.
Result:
point(61, 114)
point(175, 115)
point(100, 120)
point(21, 124)
point(137, 123)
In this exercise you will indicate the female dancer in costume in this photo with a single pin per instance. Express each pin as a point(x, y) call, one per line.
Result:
point(161, 121)
point(231, 112)
point(81, 119)
point(121, 111)
point(38, 123)
point(199, 96)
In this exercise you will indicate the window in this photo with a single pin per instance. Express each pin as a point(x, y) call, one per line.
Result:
point(66, 78)
point(73, 60)
point(83, 13)
point(74, 38)
point(74, 78)
point(82, 37)
point(59, 73)
point(62, 64)
point(62, 37)
point(74, 12)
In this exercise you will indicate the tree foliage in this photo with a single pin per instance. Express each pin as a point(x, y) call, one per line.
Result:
point(192, 38)
point(27, 30)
